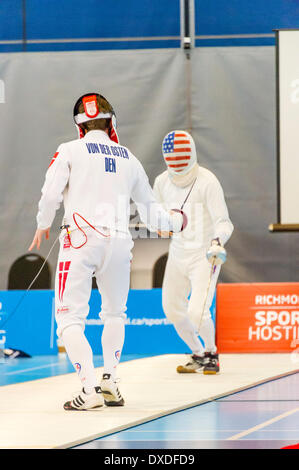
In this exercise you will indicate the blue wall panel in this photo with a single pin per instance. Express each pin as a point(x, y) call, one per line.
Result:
point(235, 41)
point(48, 19)
point(11, 20)
point(29, 328)
point(103, 46)
point(245, 16)
point(33, 330)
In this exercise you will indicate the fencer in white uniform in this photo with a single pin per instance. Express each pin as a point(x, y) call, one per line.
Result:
point(95, 177)
point(195, 255)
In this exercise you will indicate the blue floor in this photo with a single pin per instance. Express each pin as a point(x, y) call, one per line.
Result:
point(207, 426)
point(14, 371)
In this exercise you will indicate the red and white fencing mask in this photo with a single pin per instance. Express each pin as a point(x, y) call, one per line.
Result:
point(92, 111)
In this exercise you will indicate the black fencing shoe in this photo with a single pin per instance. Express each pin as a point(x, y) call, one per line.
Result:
point(212, 365)
point(110, 391)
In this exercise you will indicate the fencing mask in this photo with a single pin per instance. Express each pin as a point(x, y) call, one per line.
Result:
point(179, 153)
point(90, 107)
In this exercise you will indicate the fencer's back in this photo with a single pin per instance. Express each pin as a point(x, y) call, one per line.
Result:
point(102, 176)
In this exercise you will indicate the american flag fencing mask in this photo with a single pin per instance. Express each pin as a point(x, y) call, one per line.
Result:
point(179, 152)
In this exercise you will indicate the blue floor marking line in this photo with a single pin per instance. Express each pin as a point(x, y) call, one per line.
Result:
point(32, 368)
point(264, 424)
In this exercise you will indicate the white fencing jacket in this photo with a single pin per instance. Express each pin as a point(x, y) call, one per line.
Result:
point(205, 207)
point(96, 178)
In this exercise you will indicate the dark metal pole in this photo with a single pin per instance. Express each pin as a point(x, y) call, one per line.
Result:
point(24, 25)
point(185, 4)
point(187, 37)
point(278, 129)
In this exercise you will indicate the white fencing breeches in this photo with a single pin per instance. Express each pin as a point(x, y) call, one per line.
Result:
point(106, 258)
point(188, 273)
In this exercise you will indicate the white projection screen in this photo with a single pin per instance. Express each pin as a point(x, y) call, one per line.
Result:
point(287, 66)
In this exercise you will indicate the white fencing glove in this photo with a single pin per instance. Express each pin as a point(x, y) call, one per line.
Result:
point(179, 220)
point(216, 253)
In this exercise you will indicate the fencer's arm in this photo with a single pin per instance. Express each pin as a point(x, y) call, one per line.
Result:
point(223, 228)
point(56, 180)
point(159, 199)
point(157, 192)
point(151, 212)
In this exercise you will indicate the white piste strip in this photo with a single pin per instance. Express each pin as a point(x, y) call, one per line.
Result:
point(32, 414)
point(262, 425)
point(16, 372)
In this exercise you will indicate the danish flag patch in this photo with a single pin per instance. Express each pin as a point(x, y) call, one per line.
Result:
point(54, 158)
point(64, 267)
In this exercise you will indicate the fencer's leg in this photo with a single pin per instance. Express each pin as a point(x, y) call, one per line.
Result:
point(113, 285)
point(113, 337)
point(207, 333)
point(203, 282)
point(72, 293)
point(207, 326)
point(112, 343)
point(175, 291)
point(187, 332)
point(80, 355)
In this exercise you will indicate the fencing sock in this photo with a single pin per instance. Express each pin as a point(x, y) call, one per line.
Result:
point(112, 343)
point(187, 332)
point(207, 332)
point(80, 354)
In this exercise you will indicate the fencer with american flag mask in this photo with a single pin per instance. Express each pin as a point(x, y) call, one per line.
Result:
point(196, 254)
point(95, 177)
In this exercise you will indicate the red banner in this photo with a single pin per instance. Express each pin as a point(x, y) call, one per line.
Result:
point(262, 317)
